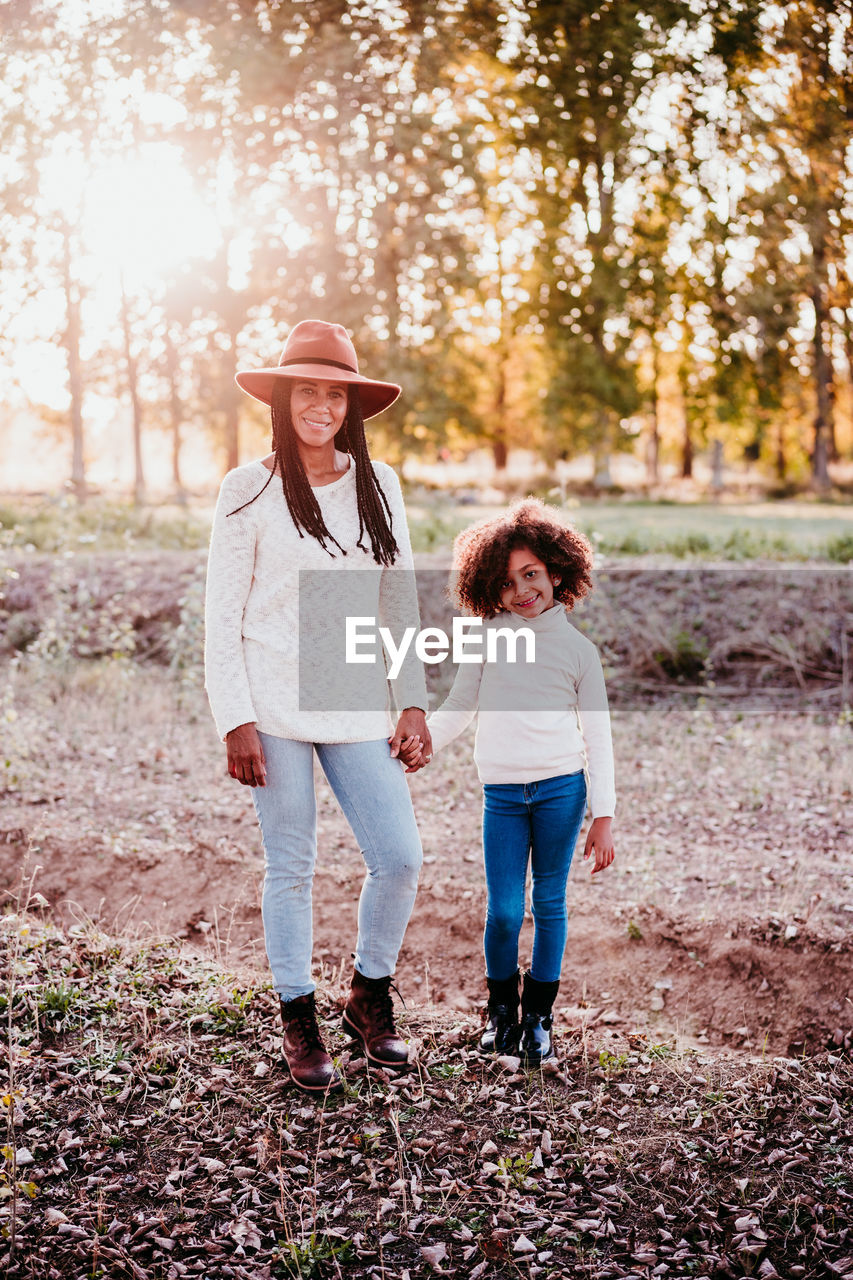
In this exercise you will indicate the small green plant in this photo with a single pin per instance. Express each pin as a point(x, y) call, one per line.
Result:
point(447, 1070)
point(660, 1051)
point(229, 1016)
point(634, 931)
point(515, 1169)
point(684, 657)
point(368, 1141)
point(54, 1004)
point(612, 1063)
point(316, 1256)
point(693, 543)
point(475, 1221)
point(840, 548)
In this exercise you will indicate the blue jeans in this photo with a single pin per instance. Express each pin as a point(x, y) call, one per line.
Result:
point(371, 788)
point(538, 821)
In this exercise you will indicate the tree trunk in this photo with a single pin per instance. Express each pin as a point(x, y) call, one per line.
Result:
point(175, 417)
point(500, 448)
point(686, 450)
point(499, 433)
point(653, 450)
point(848, 356)
point(602, 449)
point(230, 309)
point(231, 407)
point(135, 411)
point(71, 343)
point(717, 481)
point(781, 461)
point(822, 376)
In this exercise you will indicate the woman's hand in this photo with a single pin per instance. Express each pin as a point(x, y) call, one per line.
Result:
point(412, 724)
point(246, 760)
point(600, 839)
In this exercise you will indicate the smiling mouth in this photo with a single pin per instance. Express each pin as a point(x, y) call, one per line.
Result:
point(525, 604)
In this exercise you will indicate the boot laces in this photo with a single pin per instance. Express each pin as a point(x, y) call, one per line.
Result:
point(381, 1004)
point(303, 1021)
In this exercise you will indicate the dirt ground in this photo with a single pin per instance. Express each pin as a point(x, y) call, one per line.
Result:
point(727, 919)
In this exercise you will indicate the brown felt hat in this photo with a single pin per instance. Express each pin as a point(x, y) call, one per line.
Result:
point(316, 349)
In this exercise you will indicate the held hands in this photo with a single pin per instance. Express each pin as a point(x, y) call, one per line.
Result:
point(411, 742)
point(600, 840)
point(246, 760)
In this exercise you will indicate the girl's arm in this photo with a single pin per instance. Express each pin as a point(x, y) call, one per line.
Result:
point(230, 566)
point(599, 840)
point(459, 707)
point(595, 726)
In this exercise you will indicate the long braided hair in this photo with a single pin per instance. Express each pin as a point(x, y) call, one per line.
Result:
point(374, 513)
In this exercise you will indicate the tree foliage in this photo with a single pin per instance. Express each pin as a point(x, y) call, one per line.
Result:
point(534, 217)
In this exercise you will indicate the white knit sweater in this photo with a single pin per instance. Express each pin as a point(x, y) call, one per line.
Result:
point(269, 625)
point(537, 720)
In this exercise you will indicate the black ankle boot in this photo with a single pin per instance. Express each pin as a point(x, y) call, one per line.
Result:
point(537, 1001)
point(500, 1034)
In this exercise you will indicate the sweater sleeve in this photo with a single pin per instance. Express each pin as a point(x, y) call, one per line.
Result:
point(459, 707)
point(230, 566)
point(398, 598)
point(595, 726)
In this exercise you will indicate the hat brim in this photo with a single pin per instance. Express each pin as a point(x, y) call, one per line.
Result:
point(374, 396)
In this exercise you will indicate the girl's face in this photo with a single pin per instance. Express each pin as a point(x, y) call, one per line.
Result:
point(318, 409)
point(528, 588)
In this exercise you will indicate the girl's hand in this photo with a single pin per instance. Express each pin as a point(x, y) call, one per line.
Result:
point(600, 839)
point(410, 753)
point(246, 760)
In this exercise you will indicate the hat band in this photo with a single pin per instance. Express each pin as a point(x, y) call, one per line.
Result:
point(337, 364)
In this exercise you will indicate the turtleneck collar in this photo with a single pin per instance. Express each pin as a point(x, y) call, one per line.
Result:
point(550, 620)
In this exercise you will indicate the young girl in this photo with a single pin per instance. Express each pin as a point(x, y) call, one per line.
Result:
point(542, 750)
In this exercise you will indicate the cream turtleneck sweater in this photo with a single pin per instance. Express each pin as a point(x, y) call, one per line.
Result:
point(535, 720)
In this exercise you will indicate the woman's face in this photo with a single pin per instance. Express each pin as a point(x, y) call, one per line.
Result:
point(528, 588)
point(318, 409)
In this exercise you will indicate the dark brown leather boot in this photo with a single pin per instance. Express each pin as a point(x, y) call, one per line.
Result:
point(309, 1065)
point(369, 1017)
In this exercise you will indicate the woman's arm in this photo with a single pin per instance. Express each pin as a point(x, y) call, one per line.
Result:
point(230, 565)
point(398, 610)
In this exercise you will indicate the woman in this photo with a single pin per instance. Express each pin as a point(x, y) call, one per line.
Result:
point(284, 529)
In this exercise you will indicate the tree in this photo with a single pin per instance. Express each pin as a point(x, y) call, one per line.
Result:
point(807, 49)
point(584, 69)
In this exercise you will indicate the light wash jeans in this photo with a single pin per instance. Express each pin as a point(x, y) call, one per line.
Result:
point(536, 822)
point(371, 788)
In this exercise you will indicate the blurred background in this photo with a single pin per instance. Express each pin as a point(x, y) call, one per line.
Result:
point(603, 246)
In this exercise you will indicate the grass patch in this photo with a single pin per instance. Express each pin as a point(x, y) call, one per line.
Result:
point(61, 524)
point(781, 531)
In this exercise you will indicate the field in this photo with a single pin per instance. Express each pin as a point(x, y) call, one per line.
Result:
point(699, 1119)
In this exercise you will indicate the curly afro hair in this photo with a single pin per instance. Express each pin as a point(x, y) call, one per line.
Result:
point(481, 554)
